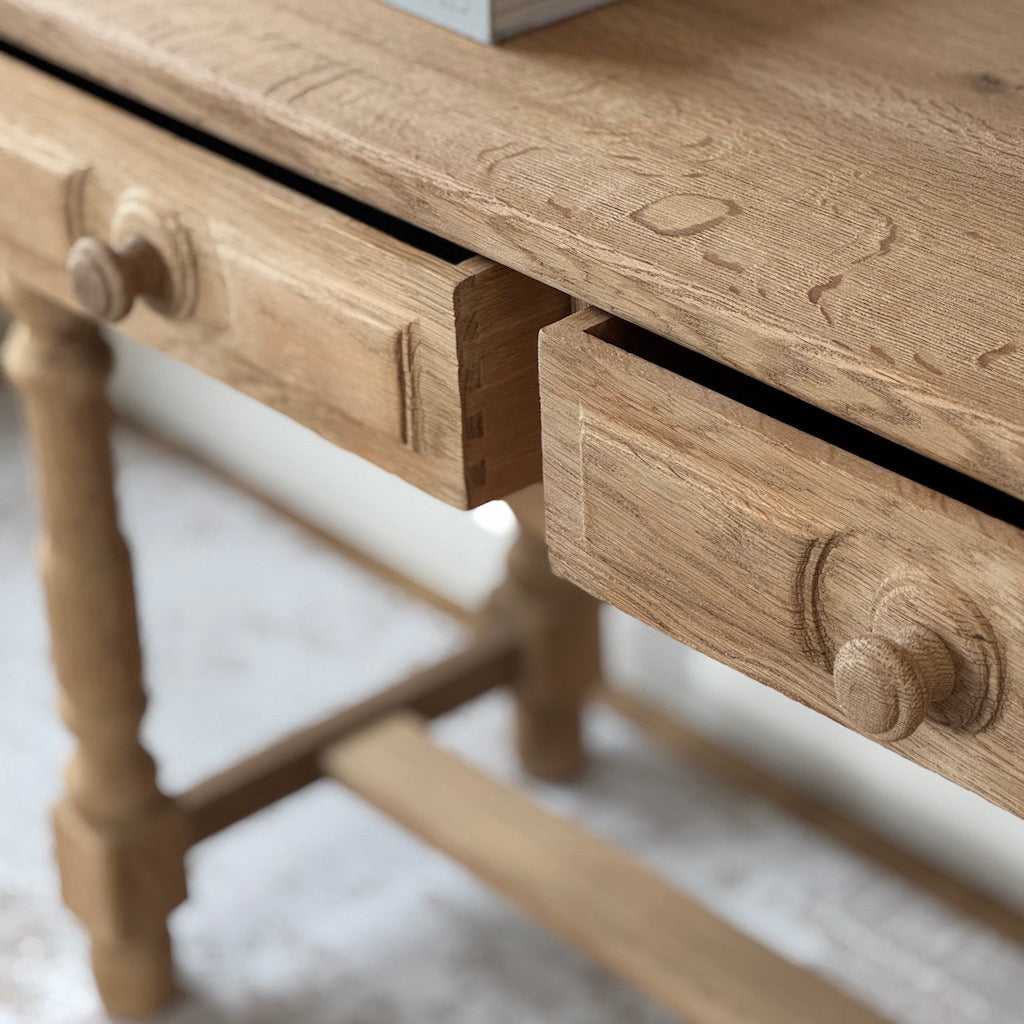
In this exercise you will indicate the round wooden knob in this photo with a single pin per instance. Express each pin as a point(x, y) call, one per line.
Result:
point(107, 281)
point(886, 685)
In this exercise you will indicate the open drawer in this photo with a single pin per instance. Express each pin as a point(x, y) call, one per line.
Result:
point(386, 340)
point(828, 563)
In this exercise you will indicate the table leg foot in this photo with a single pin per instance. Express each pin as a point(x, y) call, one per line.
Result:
point(135, 977)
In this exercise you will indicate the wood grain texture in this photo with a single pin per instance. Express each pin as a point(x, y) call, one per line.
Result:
point(887, 685)
point(718, 761)
point(120, 841)
point(769, 549)
point(823, 193)
point(425, 367)
point(292, 762)
point(557, 624)
point(587, 891)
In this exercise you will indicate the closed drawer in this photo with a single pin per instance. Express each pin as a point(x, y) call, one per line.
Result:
point(872, 594)
point(383, 339)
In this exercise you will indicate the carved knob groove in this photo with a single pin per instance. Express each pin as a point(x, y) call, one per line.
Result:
point(887, 684)
point(107, 281)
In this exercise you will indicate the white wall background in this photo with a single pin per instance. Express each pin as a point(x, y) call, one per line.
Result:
point(460, 555)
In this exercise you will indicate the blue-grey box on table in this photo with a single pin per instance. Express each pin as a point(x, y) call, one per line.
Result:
point(490, 21)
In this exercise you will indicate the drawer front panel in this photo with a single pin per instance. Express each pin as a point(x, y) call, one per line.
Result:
point(777, 553)
point(639, 499)
point(367, 381)
point(381, 347)
point(41, 192)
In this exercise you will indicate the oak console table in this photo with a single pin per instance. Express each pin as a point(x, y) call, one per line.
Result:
point(781, 419)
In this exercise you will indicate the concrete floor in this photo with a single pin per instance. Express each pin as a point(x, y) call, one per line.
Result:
point(320, 911)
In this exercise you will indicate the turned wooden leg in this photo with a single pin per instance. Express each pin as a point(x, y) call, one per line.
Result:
point(559, 625)
point(120, 841)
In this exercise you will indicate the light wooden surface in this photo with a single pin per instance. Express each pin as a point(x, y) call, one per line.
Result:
point(886, 685)
point(770, 550)
point(825, 193)
point(120, 841)
point(587, 891)
point(709, 756)
point(284, 767)
point(423, 366)
point(557, 626)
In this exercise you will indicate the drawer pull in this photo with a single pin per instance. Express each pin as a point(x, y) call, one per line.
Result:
point(107, 281)
point(886, 685)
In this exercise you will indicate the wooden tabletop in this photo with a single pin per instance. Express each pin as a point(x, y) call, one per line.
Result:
point(826, 194)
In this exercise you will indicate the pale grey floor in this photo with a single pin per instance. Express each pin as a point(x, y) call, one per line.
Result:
point(320, 911)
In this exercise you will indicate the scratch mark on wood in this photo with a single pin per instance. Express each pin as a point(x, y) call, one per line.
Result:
point(883, 355)
point(283, 83)
point(921, 361)
point(565, 211)
point(715, 260)
point(815, 295)
point(884, 244)
point(172, 36)
point(986, 359)
point(583, 88)
point(685, 213)
point(511, 156)
point(988, 82)
point(322, 84)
